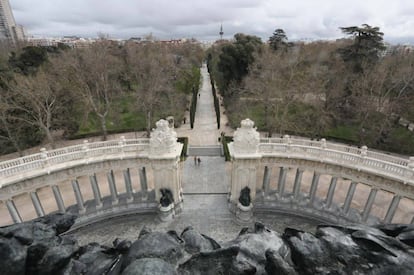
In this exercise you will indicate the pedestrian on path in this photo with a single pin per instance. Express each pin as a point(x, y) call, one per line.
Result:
point(199, 161)
point(195, 160)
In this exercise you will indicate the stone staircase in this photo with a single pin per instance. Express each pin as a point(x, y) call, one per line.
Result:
point(207, 151)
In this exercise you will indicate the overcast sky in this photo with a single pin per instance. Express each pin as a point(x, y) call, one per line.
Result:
point(165, 19)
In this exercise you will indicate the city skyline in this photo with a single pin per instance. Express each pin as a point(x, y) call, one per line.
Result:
point(319, 19)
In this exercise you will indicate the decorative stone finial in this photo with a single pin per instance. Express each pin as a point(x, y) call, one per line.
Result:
point(411, 163)
point(163, 138)
point(246, 139)
point(364, 151)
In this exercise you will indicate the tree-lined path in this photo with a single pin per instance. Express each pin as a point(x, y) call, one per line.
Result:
point(205, 130)
point(210, 175)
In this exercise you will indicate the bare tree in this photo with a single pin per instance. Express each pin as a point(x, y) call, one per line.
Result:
point(94, 75)
point(380, 92)
point(276, 81)
point(151, 70)
point(36, 100)
point(7, 132)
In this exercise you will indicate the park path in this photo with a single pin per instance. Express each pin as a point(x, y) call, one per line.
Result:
point(211, 175)
point(205, 130)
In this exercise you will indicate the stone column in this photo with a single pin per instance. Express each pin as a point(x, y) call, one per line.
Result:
point(164, 156)
point(266, 179)
point(14, 213)
point(392, 209)
point(59, 199)
point(282, 181)
point(245, 159)
point(369, 203)
point(112, 187)
point(128, 185)
point(143, 181)
point(349, 197)
point(314, 186)
point(37, 205)
point(78, 196)
point(96, 191)
point(296, 186)
point(331, 192)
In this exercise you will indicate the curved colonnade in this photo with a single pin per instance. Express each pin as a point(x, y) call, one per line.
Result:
point(95, 180)
point(316, 179)
point(326, 181)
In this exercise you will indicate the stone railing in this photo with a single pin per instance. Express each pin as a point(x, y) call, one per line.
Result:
point(254, 159)
point(44, 162)
point(23, 179)
point(362, 159)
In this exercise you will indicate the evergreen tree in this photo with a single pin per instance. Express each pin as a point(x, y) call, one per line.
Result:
point(278, 40)
point(236, 57)
point(366, 47)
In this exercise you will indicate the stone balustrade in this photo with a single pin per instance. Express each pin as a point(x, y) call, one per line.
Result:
point(338, 154)
point(33, 165)
point(276, 170)
point(55, 170)
point(335, 174)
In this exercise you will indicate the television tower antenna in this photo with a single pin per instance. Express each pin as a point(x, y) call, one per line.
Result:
point(221, 31)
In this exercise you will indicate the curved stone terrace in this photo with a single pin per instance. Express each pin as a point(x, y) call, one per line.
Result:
point(203, 207)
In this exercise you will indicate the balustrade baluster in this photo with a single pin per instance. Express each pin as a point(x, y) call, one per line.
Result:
point(112, 187)
point(59, 199)
point(392, 209)
point(78, 196)
point(14, 213)
point(349, 197)
point(314, 186)
point(96, 191)
point(37, 205)
point(128, 185)
point(368, 205)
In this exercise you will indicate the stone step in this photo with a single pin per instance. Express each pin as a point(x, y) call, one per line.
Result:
point(204, 194)
point(210, 150)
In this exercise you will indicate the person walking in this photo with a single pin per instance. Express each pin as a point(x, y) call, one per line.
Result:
point(199, 161)
point(195, 160)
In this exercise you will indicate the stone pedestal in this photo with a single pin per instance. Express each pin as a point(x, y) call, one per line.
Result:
point(244, 214)
point(245, 160)
point(164, 155)
point(166, 213)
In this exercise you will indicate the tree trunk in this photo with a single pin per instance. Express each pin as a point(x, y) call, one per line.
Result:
point(49, 137)
point(11, 137)
point(103, 127)
point(149, 117)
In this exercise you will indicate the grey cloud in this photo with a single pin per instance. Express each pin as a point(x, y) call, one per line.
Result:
point(317, 19)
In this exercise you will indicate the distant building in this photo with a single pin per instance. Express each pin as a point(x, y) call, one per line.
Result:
point(9, 30)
